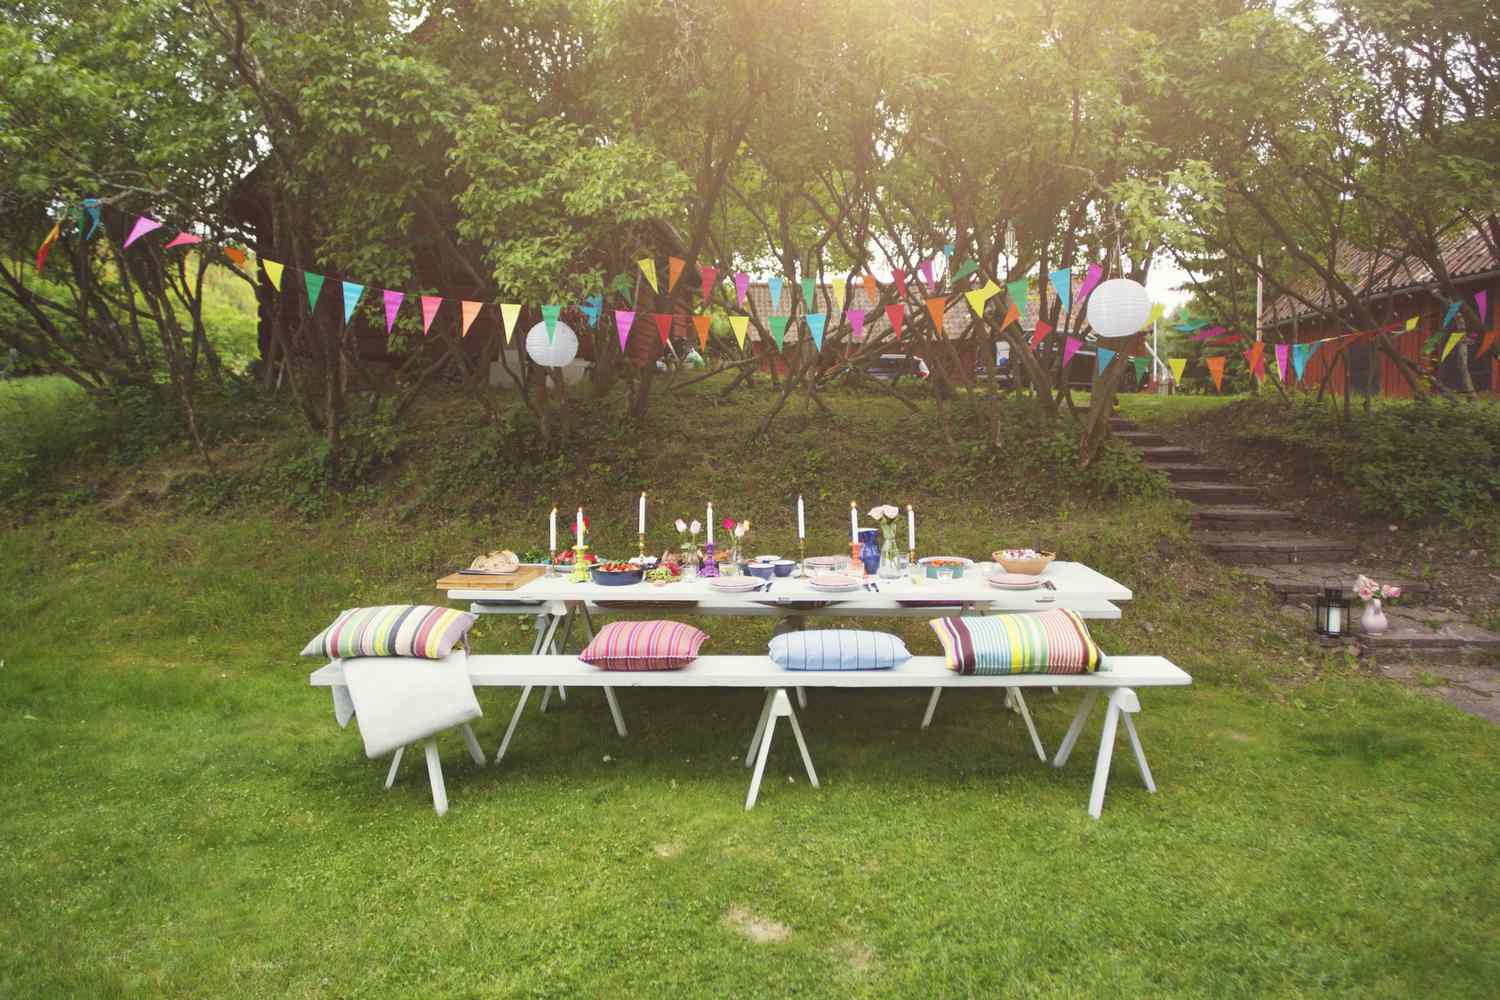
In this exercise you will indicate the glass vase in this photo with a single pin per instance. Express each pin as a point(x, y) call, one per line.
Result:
point(890, 557)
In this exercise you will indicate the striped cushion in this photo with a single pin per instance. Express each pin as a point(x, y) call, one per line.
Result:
point(659, 645)
point(393, 630)
point(838, 649)
point(1047, 642)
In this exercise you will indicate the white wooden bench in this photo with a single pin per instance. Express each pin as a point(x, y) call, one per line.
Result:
point(1117, 680)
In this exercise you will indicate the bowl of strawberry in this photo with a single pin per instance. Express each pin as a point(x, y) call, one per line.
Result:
point(616, 574)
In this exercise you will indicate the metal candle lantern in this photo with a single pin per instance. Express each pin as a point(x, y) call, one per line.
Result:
point(1331, 612)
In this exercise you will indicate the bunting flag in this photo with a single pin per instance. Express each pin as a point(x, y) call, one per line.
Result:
point(314, 283)
point(352, 294)
point(469, 311)
point(509, 313)
point(1216, 371)
point(1157, 309)
point(741, 286)
point(1453, 340)
point(238, 256)
point(1178, 366)
point(900, 279)
point(701, 323)
point(549, 317)
point(893, 315)
point(1487, 342)
point(965, 269)
point(1070, 348)
point(948, 249)
point(1209, 333)
point(1228, 338)
point(186, 239)
point(840, 290)
point(91, 209)
point(1189, 325)
point(624, 319)
point(1017, 291)
point(1300, 354)
point(1448, 316)
point(46, 247)
point(709, 276)
point(1090, 279)
point(935, 308)
point(1256, 359)
point(1062, 282)
point(143, 225)
point(1411, 324)
point(648, 268)
point(1012, 314)
point(857, 323)
point(979, 296)
point(774, 286)
point(778, 329)
point(872, 288)
point(815, 325)
point(663, 325)
point(926, 268)
point(1283, 359)
point(1103, 358)
point(674, 271)
point(273, 272)
point(808, 285)
point(592, 308)
point(1141, 364)
point(431, 304)
point(392, 306)
point(739, 324)
point(1042, 329)
point(1481, 304)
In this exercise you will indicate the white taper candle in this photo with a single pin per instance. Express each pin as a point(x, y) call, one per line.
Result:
point(643, 513)
point(710, 522)
point(911, 529)
point(801, 522)
point(552, 535)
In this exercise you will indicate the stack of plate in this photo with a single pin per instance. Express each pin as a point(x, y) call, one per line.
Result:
point(735, 584)
point(1014, 581)
point(828, 564)
point(833, 583)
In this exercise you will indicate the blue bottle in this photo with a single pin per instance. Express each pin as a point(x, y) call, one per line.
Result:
point(869, 549)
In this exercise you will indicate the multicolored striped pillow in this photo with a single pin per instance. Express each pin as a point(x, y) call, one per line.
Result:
point(393, 630)
point(655, 645)
point(1046, 642)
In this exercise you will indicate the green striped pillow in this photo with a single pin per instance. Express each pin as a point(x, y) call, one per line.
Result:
point(420, 630)
point(1045, 642)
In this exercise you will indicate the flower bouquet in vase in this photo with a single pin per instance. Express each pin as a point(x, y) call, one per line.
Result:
point(737, 531)
point(691, 556)
point(1372, 621)
point(887, 517)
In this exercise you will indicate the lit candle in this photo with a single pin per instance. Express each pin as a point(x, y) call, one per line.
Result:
point(853, 523)
point(911, 529)
point(710, 522)
point(553, 536)
point(801, 523)
point(643, 513)
point(580, 525)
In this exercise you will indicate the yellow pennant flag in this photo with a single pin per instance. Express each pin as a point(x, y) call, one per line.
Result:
point(979, 296)
point(739, 324)
point(509, 311)
point(1453, 340)
point(273, 271)
point(839, 288)
point(1411, 324)
point(1178, 365)
point(470, 310)
point(674, 271)
point(1157, 309)
point(648, 268)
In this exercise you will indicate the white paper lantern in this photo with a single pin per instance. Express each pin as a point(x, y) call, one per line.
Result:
point(1119, 307)
point(555, 352)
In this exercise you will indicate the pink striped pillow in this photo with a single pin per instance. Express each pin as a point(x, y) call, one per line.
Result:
point(656, 645)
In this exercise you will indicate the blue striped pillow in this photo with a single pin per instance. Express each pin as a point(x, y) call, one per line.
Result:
point(838, 649)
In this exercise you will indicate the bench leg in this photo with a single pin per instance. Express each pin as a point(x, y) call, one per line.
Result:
point(801, 698)
point(614, 710)
point(760, 727)
point(1079, 718)
point(390, 778)
point(779, 705)
point(1106, 751)
point(473, 745)
point(1036, 741)
point(812, 776)
point(931, 707)
point(547, 644)
point(1140, 753)
point(515, 720)
point(760, 764)
point(435, 775)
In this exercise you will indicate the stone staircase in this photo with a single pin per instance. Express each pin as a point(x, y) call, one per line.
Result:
point(1233, 523)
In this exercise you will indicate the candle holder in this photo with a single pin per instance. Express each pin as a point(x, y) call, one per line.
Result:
point(710, 564)
point(643, 547)
point(552, 562)
point(802, 557)
point(580, 567)
point(856, 564)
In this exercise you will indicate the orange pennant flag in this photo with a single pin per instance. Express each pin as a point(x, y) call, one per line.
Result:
point(1485, 344)
point(1012, 315)
point(470, 310)
point(1042, 329)
point(1216, 369)
point(236, 254)
point(935, 307)
point(701, 324)
point(872, 288)
point(674, 271)
point(1256, 357)
point(663, 325)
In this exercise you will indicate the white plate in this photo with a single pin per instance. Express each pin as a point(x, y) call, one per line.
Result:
point(1014, 581)
point(735, 584)
point(833, 583)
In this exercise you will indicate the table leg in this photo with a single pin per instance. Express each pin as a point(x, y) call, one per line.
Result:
point(1079, 718)
point(1036, 741)
point(515, 720)
point(548, 644)
point(931, 707)
point(801, 697)
point(473, 745)
point(390, 777)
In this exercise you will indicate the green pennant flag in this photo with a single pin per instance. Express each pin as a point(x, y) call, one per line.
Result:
point(549, 316)
point(965, 269)
point(1141, 364)
point(778, 329)
point(1017, 291)
point(314, 284)
point(807, 293)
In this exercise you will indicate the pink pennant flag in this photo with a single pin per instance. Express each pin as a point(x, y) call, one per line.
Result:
point(143, 225)
point(741, 285)
point(893, 315)
point(710, 275)
point(430, 305)
point(1481, 302)
point(926, 268)
point(1070, 348)
point(900, 277)
point(857, 323)
point(1283, 358)
point(182, 240)
point(1209, 333)
point(1090, 279)
point(625, 318)
point(392, 306)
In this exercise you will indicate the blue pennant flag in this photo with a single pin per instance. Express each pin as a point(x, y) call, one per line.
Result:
point(1105, 357)
point(815, 323)
point(1062, 281)
point(1452, 312)
point(352, 292)
point(774, 284)
point(592, 307)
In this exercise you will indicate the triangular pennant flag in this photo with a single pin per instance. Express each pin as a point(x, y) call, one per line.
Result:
point(701, 324)
point(979, 296)
point(839, 289)
point(182, 240)
point(624, 320)
point(935, 308)
point(273, 272)
point(1141, 364)
point(1208, 333)
point(663, 325)
point(1300, 354)
point(352, 294)
point(926, 268)
point(893, 315)
point(1216, 370)
point(46, 247)
point(773, 285)
point(808, 287)
point(1453, 340)
point(872, 288)
point(1104, 357)
point(143, 225)
point(1095, 272)
point(1283, 359)
point(709, 276)
point(1157, 309)
point(431, 304)
point(509, 313)
point(1228, 338)
point(91, 209)
point(1042, 329)
point(674, 271)
point(1481, 304)
point(1018, 290)
point(470, 310)
point(591, 308)
point(741, 285)
point(739, 324)
point(965, 269)
point(900, 277)
point(1487, 342)
point(778, 329)
point(314, 283)
point(1448, 316)
point(392, 306)
point(1178, 366)
point(1255, 358)
point(857, 323)
point(1188, 326)
point(1012, 314)
point(815, 324)
point(1411, 324)
point(648, 268)
point(1070, 348)
point(948, 249)
point(549, 317)
point(1062, 282)
point(238, 256)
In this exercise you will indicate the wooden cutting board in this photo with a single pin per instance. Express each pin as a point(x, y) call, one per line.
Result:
point(472, 581)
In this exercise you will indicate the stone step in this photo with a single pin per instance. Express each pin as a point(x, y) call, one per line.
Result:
point(1267, 548)
point(1215, 493)
point(1187, 472)
point(1234, 517)
point(1121, 424)
point(1167, 453)
point(1428, 635)
point(1140, 439)
point(1302, 582)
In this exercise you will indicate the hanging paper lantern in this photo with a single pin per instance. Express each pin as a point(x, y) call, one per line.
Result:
point(1119, 307)
point(553, 352)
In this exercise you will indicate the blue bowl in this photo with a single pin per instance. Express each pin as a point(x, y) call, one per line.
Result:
point(762, 570)
point(617, 579)
point(784, 567)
